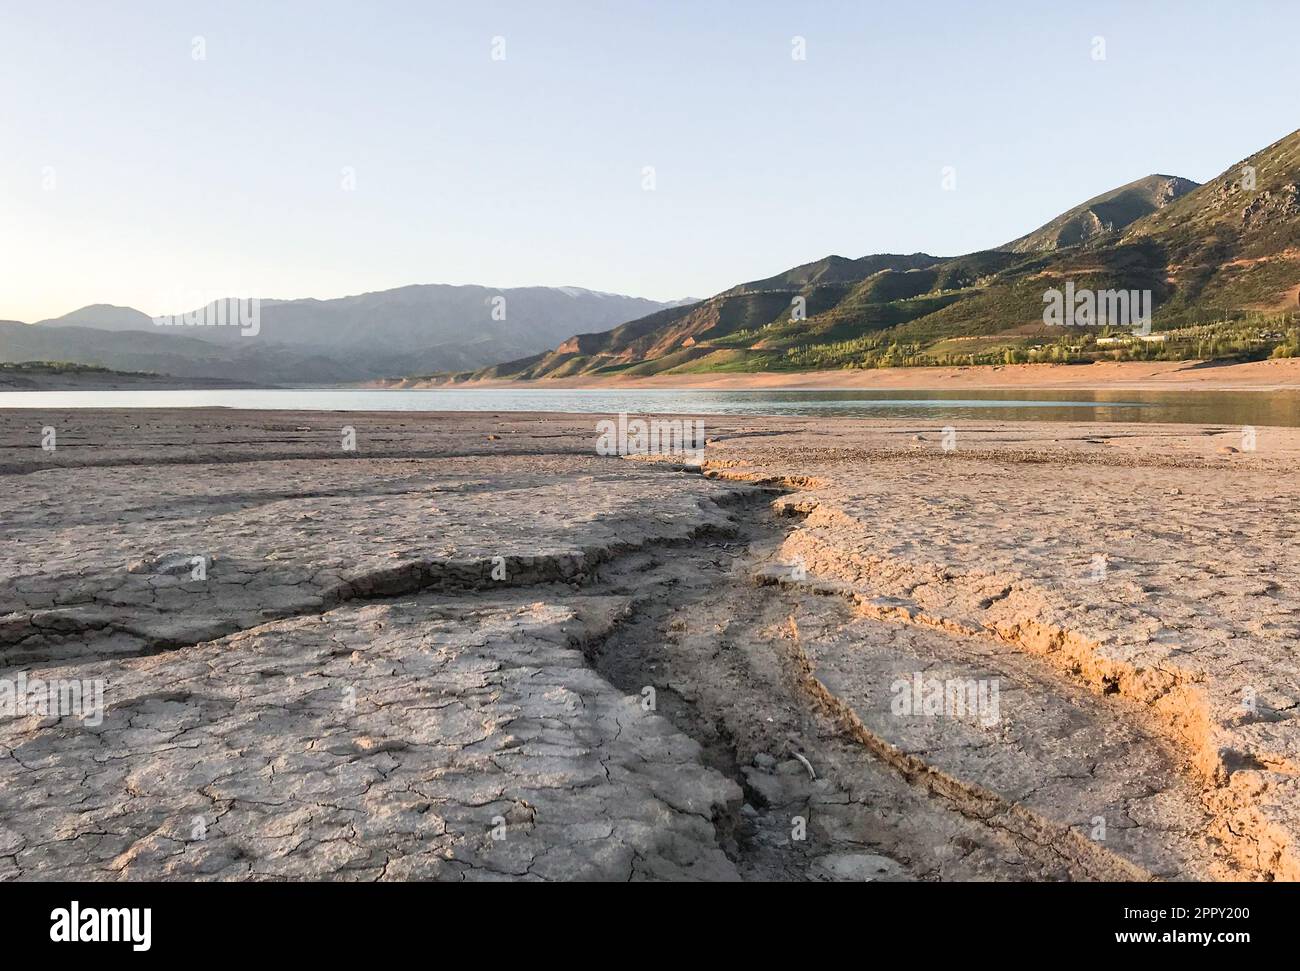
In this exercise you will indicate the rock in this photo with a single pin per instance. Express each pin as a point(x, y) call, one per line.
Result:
point(861, 867)
point(173, 564)
point(772, 790)
point(792, 767)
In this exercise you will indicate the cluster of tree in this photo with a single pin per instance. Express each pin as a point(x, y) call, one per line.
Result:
point(1245, 338)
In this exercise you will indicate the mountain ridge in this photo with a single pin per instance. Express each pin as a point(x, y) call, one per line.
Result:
point(1106, 213)
point(1222, 263)
point(353, 338)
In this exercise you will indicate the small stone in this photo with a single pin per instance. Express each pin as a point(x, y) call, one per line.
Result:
point(860, 867)
point(174, 563)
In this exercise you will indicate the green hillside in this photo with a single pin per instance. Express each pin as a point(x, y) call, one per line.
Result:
point(1107, 213)
point(1222, 262)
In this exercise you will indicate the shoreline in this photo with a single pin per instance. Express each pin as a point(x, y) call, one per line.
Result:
point(1270, 375)
point(17, 381)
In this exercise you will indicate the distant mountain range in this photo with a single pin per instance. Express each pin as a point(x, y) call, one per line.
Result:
point(1222, 261)
point(392, 332)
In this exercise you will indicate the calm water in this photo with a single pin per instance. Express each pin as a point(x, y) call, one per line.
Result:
point(1208, 407)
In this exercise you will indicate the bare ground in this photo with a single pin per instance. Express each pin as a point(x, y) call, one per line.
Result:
point(474, 649)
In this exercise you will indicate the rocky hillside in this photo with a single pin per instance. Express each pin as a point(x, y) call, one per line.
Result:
point(1235, 241)
point(1107, 213)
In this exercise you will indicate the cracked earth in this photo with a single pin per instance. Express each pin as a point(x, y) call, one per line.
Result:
point(473, 649)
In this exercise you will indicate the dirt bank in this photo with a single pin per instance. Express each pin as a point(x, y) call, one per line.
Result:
point(1155, 376)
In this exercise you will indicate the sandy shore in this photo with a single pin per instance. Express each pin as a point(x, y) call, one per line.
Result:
point(37, 379)
point(472, 648)
point(1131, 376)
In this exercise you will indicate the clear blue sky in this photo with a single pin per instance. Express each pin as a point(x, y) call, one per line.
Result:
point(171, 174)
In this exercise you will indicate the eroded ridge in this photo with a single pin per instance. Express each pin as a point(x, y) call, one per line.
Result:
point(1173, 600)
point(151, 559)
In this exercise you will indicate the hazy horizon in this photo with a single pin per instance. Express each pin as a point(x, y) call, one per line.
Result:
point(275, 298)
point(323, 150)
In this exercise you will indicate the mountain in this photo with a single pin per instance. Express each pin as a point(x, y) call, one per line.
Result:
point(684, 334)
point(1106, 213)
point(1221, 260)
point(1235, 241)
point(427, 327)
point(103, 316)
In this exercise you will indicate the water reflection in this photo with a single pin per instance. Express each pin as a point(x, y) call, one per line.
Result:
point(1199, 407)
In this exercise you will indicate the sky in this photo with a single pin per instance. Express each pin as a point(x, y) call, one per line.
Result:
point(152, 152)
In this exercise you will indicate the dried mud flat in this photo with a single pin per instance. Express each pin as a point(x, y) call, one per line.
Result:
point(474, 649)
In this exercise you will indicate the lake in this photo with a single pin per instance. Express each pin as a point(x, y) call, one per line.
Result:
point(1198, 407)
